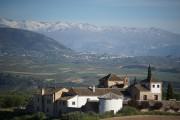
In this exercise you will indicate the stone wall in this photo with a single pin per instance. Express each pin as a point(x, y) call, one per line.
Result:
point(171, 104)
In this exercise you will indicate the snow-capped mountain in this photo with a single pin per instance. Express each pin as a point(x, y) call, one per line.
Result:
point(84, 37)
point(47, 26)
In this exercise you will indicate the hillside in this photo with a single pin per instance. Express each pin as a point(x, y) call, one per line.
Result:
point(124, 41)
point(17, 42)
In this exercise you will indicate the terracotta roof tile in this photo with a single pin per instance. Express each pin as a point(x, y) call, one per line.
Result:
point(98, 91)
point(65, 98)
point(110, 95)
point(141, 87)
point(112, 77)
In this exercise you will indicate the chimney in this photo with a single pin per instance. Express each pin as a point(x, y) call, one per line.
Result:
point(42, 91)
point(93, 88)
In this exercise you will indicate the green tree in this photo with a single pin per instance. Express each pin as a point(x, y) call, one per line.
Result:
point(170, 93)
point(149, 73)
point(135, 81)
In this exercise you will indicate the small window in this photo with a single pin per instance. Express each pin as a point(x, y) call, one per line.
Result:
point(153, 86)
point(155, 97)
point(47, 110)
point(145, 97)
point(38, 99)
point(64, 102)
point(73, 103)
point(157, 86)
point(37, 108)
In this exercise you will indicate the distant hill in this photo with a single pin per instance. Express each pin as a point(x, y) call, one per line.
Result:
point(17, 42)
point(125, 41)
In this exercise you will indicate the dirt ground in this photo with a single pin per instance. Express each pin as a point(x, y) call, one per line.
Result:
point(145, 117)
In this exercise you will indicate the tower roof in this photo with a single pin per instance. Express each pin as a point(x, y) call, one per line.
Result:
point(110, 95)
point(112, 77)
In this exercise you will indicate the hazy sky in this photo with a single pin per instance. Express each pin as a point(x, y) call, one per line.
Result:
point(163, 14)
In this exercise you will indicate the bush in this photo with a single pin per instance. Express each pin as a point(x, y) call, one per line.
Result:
point(156, 106)
point(80, 116)
point(7, 101)
point(158, 113)
point(39, 116)
point(36, 116)
point(107, 114)
point(128, 110)
point(143, 105)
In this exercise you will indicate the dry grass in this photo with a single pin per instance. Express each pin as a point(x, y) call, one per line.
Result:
point(145, 117)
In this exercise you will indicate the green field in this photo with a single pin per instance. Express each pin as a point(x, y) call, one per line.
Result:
point(88, 73)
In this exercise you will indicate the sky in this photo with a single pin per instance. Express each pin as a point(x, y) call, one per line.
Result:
point(164, 14)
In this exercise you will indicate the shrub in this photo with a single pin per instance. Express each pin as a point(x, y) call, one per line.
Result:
point(107, 114)
point(39, 116)
point(156, 106)
point(128, 110)
point(143, 105)
point(11, 101)
point(80, 116)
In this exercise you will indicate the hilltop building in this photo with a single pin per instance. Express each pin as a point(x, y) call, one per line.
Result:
point(58, 101)
point(113, 81)
point(148, 89)
point(112, 93)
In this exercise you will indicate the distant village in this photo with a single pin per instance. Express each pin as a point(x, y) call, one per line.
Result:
point(111, 94)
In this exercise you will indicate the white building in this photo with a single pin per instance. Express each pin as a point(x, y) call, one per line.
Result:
point(146, 90)
point(110, 102)
point(80, 97)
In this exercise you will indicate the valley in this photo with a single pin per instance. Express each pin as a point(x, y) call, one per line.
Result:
point(48, 62)
point(84, 73)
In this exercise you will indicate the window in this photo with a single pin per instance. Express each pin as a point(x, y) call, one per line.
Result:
point(145, 97)
point(153, 86)
point(73, 103)
point(64, 102)
point(38, 99)
point(48, 101)
point(47, 110)
point(155, 97)
point(157, 86)
point(135, 96)
point(37, 108)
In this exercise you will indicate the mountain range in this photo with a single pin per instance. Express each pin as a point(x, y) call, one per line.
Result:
point(124, 41)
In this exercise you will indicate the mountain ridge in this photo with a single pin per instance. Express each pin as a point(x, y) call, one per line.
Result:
point(84, 37)
point(17, 42)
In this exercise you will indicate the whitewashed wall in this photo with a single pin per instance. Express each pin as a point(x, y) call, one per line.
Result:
point(80, 101)
point(110, 104)
point(156, 89)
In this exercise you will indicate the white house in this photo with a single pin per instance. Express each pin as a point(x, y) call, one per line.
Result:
point(79, 97)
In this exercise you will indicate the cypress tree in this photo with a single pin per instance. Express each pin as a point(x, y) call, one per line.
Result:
point(169, 91)
point(149, 73)
point(135, 81)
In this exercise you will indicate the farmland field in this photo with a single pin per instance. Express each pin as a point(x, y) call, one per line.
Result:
point(87, 73)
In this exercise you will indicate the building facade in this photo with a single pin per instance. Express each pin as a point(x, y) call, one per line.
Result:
point(148, 89)
point(63, 100)
point(110, 102)
point(114, 81)
point(112, 93)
